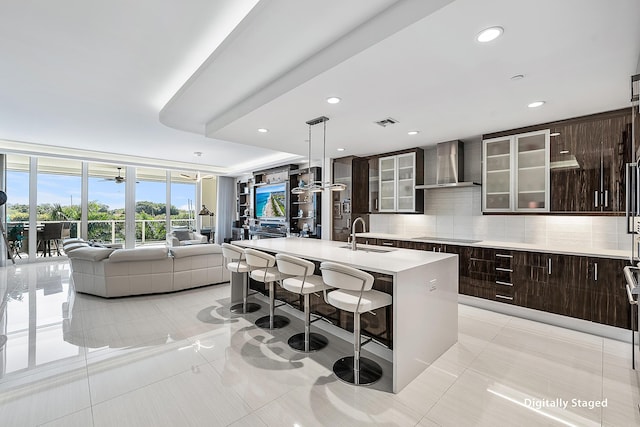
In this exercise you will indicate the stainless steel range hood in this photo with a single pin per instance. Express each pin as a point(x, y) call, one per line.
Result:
point(449, 167)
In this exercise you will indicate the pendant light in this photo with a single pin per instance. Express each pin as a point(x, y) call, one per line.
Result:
point(318, 186)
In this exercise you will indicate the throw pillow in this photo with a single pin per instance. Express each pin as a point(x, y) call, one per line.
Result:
point(182, 234)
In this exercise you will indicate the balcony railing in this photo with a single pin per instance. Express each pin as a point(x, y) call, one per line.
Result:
point(113, 231)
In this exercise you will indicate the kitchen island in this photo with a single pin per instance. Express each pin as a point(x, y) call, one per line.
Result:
point(424, 289)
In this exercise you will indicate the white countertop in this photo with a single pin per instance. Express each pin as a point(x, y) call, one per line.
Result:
point(533, 247)
point(394, 261)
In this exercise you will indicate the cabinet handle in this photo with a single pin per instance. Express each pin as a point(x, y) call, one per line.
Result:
point(504, 297)
point(387, 244)
point(504, 283)
point(375, 203)
point(508, 270)
point(596, 198)
point(595, 271)
point(549, 266)
point(504, 256)
point(606, 198)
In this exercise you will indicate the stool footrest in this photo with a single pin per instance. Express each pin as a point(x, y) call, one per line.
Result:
point(316, 342)
point(278, 322)
point(240, 308)
point(369, 373)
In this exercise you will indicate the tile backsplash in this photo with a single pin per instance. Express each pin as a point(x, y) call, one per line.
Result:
point(456, 213)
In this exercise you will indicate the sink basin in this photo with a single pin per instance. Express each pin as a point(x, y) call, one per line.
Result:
point(368, 249)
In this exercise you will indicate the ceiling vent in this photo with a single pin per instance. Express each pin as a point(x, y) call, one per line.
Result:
point(386, 122)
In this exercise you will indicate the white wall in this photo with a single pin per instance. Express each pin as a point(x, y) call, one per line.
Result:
point(456, 213)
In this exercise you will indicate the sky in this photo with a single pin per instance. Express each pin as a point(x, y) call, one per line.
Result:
point(64, 189)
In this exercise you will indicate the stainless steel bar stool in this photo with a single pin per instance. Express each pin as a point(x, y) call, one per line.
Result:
point(304, 283)
point(354, 293)
point(234, 261)
point(263, 269)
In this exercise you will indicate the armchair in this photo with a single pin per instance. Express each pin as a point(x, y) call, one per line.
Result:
point(185, 237)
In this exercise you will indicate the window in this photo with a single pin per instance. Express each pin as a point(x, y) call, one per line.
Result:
point(17, 206)
point(183, 193)
point(151, 206)
point(106, 211)
point(59, 193)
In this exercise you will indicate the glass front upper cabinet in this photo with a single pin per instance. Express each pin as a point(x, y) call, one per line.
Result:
point(397, 183)
point(497, 175)
point(532, 171)
point(516, 173)
point(387, 193)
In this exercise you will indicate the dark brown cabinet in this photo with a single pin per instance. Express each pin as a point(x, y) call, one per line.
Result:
point(531, 288)
point(353, 202)
point(587, 160)
point(583, 287)
point(392, 180)
point(607, 293)
point(588, 288)
point(367, 241)
point(587, 157)
point(481, 275)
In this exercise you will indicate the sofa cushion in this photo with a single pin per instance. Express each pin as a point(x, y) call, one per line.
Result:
point(182, 234)
point(139, 254)
point(185, 251)
point(72, 240)
point(90, 253)
point(73, 246)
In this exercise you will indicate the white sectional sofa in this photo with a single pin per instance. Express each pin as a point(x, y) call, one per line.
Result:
point(185, 237)
point(146, 270)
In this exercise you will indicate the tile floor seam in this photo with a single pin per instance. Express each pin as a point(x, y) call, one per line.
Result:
point(251, 410)
point(86, 366)
point(64, 416)
point(142, 386)
point(442, 395)
point(602, 382)
point(428, 419)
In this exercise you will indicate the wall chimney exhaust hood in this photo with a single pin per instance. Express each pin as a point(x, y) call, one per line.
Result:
point(449, 167)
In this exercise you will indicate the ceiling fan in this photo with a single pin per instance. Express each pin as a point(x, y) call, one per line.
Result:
point(118, 179)
point(196, 177)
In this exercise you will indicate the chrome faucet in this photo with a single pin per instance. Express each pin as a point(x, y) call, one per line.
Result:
point(354, 246)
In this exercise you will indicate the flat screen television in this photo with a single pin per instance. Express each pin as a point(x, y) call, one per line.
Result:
point(271, 202)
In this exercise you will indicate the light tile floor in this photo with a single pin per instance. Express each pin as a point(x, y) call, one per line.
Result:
point(183, 360)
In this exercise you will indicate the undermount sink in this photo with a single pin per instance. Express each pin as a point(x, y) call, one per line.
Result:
point(368, 249)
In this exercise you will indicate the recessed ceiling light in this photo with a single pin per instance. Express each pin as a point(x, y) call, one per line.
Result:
point(333, 100)
point(554, 134)
point(536, 104)
point(489, 34)
point(340, 149)
point(413, 132)
point(263, 130)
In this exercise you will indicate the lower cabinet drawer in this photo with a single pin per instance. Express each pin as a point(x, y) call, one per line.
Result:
point(504, 291)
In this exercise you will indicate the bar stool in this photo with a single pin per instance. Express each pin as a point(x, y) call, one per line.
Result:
point(304, 283)
point(263, 269)
point(354, 294)
point(234, 261)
